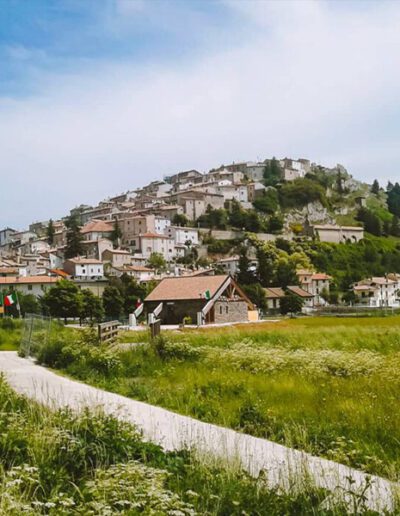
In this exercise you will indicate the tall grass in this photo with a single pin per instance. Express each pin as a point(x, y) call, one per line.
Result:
point(328, 386)
point(10, 333)
point(60, 463)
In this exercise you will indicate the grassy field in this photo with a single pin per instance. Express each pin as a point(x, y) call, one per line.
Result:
point(329, 386)
point(10, 334)
point(58, 463)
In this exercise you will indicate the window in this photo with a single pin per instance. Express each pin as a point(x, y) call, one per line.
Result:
point(220, 309)
point(83, 271)
point(227, 309)
point(29, 287)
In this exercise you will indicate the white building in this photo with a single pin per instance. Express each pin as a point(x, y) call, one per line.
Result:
point(35, 285)
point(138, 272)
point(150, 243)
point(230, 264)
point(377, 292)
point(182, 235)
point(294, 169)
point(233, 192)
point(315, 283)
point(97, 230)
point(5, 235)
point(84, 268)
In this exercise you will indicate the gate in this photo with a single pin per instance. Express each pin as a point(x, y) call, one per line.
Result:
point(35, 333)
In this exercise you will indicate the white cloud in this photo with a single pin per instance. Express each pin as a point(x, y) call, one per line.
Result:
point(312, 81)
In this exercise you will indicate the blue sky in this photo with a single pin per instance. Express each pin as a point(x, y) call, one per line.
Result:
point(101, 96)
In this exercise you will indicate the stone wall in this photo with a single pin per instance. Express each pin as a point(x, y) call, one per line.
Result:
point(230, 311)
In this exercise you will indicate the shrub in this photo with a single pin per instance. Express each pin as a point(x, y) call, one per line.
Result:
point(168, 350)
point(300, 192)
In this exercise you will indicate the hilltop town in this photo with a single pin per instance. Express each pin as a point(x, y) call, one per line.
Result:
point(271, 225)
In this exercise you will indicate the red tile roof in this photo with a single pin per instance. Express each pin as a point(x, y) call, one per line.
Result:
point(320, 276)
point(28, 280)
point(186, 288)
point(298, 291)
point(274, 292)
point(84, 261)
point(98, 226)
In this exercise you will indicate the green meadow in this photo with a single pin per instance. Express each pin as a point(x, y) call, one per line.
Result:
point(329, 386)
point(60, 464)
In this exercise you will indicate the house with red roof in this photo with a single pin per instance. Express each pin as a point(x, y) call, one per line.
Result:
point(203, 299)
point(316, 283)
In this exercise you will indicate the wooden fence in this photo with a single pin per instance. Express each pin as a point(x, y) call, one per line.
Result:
point(108, 331)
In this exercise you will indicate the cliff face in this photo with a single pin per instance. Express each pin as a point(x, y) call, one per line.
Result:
point(315, 212)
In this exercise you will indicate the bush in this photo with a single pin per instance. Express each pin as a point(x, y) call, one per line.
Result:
point(168, 350)
point(300, 192)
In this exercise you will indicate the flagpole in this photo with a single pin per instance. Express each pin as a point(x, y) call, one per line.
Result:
point(18, 305)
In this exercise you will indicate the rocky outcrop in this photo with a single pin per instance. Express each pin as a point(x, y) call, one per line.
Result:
point(314, 212)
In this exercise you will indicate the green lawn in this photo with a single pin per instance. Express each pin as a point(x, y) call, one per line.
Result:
point(330, 386)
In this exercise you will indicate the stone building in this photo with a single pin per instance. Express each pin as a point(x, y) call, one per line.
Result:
point(334, 233)
point(202, 299)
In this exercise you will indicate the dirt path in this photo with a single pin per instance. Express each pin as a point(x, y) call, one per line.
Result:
point(283, 466)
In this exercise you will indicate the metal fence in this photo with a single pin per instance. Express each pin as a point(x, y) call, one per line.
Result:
point(35, 333)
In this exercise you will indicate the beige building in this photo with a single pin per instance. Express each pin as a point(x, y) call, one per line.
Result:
point(116, 257)
point(131, 227)
point(35, 285)
point(149, 243)
point(315, 283)
point(337, 234)
point(97, 230)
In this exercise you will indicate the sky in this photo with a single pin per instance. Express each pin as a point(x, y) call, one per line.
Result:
point(103, 96)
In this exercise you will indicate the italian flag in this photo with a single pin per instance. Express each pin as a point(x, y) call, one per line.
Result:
point(207, 294)
point(10, 299)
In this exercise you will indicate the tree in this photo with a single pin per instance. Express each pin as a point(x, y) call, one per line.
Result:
point(268, 202)
point(275, 224)
point(300, 192)
point(291, 304)
point(245, 275)
point(266, 256)
point(214, 219)
point(180, 220)
point(50, 232)
point(113, 302)
point(393, 200)
point(395, 226)
point(63, 300)
point(372, 223)
point(256, 294)
point(236, 215)
point(29, 304)
point(92, 306)
point(157, 262)
point(286, 274)
point(272, 172)
point(375, 188)
point(131, 292)
point(116, 234)
point(74, 245)
point(252, 222)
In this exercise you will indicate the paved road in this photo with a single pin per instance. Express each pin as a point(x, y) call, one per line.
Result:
point(283, 466)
